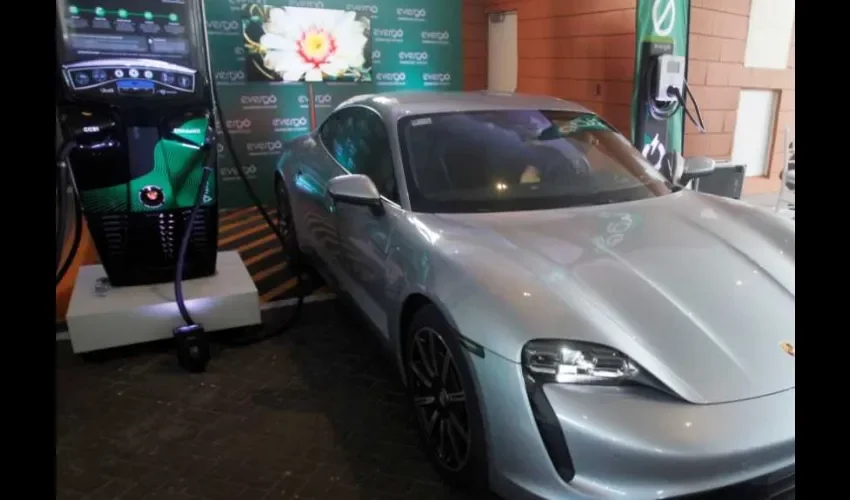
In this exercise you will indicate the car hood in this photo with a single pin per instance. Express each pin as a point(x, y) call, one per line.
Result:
point(698, 290)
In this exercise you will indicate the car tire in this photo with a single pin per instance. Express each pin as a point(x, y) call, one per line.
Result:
point(460, 460)
point(286, 228)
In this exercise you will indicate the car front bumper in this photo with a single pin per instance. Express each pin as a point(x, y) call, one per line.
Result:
point(627, 442)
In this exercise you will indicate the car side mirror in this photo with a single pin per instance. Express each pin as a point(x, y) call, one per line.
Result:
point(696, 167)
point(355, 189)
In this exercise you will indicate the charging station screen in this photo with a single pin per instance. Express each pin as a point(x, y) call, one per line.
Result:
point(151, 29)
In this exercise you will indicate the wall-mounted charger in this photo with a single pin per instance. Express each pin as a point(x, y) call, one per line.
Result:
point(670, 72)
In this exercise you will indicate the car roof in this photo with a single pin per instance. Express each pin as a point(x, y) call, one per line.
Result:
point(395, 105)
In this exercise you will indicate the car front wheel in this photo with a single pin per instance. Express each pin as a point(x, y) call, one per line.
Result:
point(444, 398)
point(285, 222)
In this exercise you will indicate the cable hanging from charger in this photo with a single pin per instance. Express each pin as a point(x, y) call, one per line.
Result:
point(299, 291)
point(64, 180)
point(697, 121)
point(664, 110)
point(184, 243)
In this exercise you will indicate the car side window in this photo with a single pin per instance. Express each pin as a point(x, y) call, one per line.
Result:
point(330, 131)
point(358, 140)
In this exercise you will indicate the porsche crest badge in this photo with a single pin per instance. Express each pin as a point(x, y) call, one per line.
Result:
point(788, 347)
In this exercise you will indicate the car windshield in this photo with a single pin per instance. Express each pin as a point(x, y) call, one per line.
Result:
point(507, 160)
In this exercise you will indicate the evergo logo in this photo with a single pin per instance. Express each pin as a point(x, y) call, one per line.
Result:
point(441, 37)
point(289, 124)
point(313, 4)
point(371, 10)
point(432, 79)
point(219, 148)
point(320, 100)
point(376, 55)
point(238, 125)
point(388, 34)
point(236, 5)
point(239, 51)
point(258, 101)
point(408, 14)
point(180, 130)
point(231, 172)
point(413, 57)
point(226, 77)
point(390, 78)
point(223, 26)
point(263, 148)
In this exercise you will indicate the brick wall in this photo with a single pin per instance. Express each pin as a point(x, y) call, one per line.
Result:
point(717, 74)
point(581, 50)
point(474, 44)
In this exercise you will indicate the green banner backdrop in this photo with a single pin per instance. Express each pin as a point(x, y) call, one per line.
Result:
point(659, 21)
point(416, 44)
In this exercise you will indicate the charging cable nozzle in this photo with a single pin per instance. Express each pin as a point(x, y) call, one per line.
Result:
point(193, 348)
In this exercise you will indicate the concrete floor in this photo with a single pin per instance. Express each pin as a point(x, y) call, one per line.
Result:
point(767, 201)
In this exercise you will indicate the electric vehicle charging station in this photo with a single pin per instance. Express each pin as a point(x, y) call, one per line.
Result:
point(662, 92)
point(137, 114)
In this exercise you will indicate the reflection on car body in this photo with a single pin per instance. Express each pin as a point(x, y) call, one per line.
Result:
point(568, 323)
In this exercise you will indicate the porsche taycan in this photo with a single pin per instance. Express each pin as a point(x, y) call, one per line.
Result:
point(569, 322)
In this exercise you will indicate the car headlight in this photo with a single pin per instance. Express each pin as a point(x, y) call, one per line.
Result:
point(569, 362)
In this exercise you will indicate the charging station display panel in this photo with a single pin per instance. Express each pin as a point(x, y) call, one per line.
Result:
point(154, 29)
point(130, 47)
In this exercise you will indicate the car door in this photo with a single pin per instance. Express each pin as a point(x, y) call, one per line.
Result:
point(311, 181)
point(364, 235)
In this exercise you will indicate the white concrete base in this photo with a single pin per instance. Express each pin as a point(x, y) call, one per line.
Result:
point(131, 315)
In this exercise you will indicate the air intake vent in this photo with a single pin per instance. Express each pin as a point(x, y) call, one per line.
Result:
point(110, 233)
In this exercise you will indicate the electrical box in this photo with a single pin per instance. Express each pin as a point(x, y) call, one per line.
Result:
point(670, 72)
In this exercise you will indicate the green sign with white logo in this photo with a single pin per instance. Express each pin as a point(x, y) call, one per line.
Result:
point(658, 22)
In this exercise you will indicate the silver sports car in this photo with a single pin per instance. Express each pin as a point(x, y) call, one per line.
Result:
point(569, 323)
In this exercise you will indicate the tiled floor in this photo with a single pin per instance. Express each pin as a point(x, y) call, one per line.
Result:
point(767, 201)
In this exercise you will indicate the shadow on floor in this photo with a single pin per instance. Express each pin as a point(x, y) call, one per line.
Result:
point(316, 413)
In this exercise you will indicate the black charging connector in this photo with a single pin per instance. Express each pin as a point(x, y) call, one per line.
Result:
point(193, 347)
point(193, 350)
point(675, 92)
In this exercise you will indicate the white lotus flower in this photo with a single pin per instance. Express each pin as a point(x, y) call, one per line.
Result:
point(308, 43)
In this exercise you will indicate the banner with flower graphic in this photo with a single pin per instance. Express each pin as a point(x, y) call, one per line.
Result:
point(281, 66)
point(294, 44)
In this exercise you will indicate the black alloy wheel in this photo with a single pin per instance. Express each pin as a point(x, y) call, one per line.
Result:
point(443, 393)
point(285, 224)
point(440, 399)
